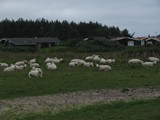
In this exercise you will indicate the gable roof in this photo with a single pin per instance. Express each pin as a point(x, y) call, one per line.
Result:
point(154, 39)
point(101, 38)
point(31, 41)
point(124, 38)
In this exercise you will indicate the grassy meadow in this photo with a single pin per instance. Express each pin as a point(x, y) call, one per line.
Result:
point(66, 79)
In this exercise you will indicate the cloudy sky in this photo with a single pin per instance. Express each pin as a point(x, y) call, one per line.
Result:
point(139, 16)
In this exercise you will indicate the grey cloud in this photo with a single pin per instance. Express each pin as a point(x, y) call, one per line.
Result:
point(136, 15)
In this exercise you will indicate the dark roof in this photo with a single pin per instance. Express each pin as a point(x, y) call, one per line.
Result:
point(46, 40)
point(154, 39)
point(31, 41)
point(103, 38)
point(124, 38)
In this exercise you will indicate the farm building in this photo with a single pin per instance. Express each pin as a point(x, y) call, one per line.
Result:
point(152, 41)
point(128, 41)
point(142, 40)
point(139, 41)
point(33, 42)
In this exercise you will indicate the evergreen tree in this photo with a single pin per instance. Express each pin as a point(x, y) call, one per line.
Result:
point(63, 30)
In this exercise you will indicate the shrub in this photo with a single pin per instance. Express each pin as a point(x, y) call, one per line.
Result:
point(142, 51)
point(99, 46)
point(18, 49)
point(55, 49)
point(72, 42)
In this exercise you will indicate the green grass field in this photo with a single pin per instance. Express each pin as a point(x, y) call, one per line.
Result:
point(138, 110)
point(66, 79)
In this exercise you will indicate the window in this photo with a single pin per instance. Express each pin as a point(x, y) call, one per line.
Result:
point(149, 42)
point(142, 42)
point(130, 43)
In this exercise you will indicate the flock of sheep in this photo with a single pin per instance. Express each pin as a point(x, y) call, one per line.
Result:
point(51, 64)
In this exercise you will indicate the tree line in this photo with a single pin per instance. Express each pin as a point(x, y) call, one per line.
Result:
point(62, 29)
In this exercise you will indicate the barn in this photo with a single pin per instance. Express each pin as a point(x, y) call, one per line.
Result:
point(30, 42)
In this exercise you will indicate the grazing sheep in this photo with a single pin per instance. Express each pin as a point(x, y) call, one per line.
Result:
point(103, 61)
point(11, 68)
point(153, 59)
point(51, 66)
point(34, 65)
point(89, 58)
point(104, 67)
point(3, 65)
point(50, 59)
point(148, 64)
point(47, 60)
point(74, 60)
point(88, 64)
point(21, 62)
point(21, 67)
point(48, 63)
point(73, 64)
point(135, 61)
point(79, 61)
point(110, 61)
point(96, 58)
point(32, 61)
point(35, 72)
point(57, 60)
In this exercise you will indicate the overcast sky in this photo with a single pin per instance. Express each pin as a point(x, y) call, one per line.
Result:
point(139, 16)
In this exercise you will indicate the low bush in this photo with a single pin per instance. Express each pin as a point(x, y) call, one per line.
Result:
point(99, 46)
point(19, 49)
point(142, 51)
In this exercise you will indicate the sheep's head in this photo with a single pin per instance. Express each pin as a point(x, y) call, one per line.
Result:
point(154, 62)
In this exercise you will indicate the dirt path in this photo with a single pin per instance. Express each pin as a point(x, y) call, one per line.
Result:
point(58, 102)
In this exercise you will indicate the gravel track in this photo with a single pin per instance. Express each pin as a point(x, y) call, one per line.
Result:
point(58, 102)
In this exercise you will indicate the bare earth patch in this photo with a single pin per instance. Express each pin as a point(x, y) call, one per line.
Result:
point(58, 102)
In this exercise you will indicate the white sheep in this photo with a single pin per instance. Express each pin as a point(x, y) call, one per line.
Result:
point(75, 60)
point(88, 64)
point(135, 61)
point(51, 66)
point(103, 61)
point(32, 60)
point(50, 59)
point(96, 58)
point(104, 67)
point(35, 72)
point(21, 67)
point(47, 60)
point(11, 68)
point(34, 65)
point(57, 60)
point(148, 64)
point(73, 64)
point(79, 61)
point(89, 58)
point(21, 62)
point(153, 59)
point(3, 65)
point(110, 61)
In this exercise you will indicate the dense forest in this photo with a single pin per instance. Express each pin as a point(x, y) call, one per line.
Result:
point(62, 29)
